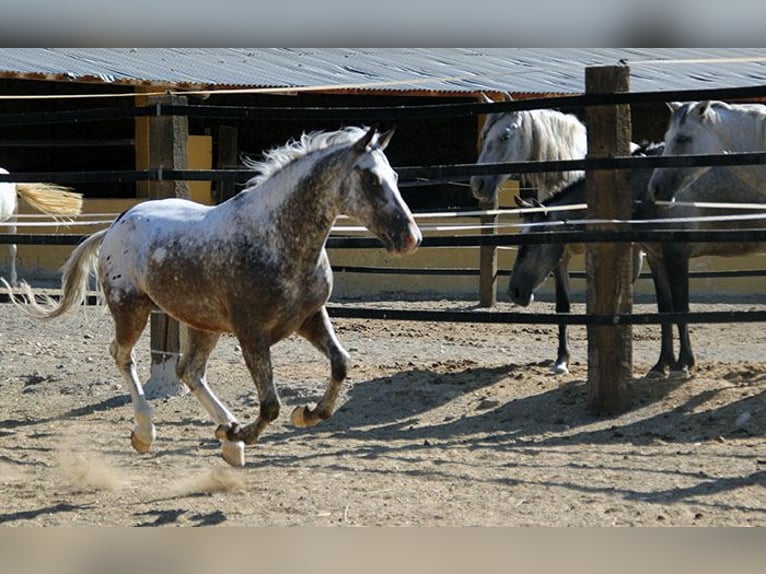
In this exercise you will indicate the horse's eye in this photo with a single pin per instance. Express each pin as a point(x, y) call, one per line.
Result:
point(682, 139)
point(370, 179)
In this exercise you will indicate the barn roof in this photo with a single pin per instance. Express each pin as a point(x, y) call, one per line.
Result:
point(395, 70)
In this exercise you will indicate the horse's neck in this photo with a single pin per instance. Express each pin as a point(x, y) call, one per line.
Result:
point(742, 129)
point(299, 201)
point(572, 194)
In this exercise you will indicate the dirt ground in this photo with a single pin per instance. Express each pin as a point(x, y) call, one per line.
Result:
point(439, 425)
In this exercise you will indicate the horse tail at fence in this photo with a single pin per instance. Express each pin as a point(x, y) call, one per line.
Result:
point(74, 282)
point(50, 198)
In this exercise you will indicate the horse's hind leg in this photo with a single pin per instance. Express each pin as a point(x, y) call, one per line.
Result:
point(318, 330)
point(255, 351)
point(191, 370)
point(130, 317)
point(563, 305)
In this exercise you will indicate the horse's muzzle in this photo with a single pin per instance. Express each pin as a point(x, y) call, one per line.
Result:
point(406, 242)
point(480, 189)
point(520, 297)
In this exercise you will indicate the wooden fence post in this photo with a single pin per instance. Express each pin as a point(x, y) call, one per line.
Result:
point(167, 139)
point(608, 265)
point(488, 258)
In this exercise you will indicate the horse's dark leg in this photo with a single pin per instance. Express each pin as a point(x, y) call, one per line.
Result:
point(130, 314)
point(319, 331)
point(664, 305)
point(191, 369)
point(563, 305)
point(255, 351)
point(677, 263)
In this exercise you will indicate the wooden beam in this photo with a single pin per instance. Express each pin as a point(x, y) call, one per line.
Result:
point(488, 258)
point(167, 138)
point(608, 265)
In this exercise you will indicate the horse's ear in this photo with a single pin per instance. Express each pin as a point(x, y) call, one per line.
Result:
point(507, 97)
point(673, 106)
point(703, 108)
point(485, 99)
point(361, 144)
point(523, 203)
point(385, 138)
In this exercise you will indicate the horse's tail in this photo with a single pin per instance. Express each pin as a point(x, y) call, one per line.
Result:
point(74, 281)
point(50, 198)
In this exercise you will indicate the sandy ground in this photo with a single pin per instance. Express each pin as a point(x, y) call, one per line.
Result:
point(440, 424)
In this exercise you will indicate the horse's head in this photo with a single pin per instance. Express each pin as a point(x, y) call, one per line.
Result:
point(693, 129)
point(503, 141)
point(371, 195)
point(534, 262)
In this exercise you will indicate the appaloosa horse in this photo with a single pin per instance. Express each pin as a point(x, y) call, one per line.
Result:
point(255, 266)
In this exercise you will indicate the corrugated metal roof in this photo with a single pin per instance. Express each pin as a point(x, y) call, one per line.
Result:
point(516, 70)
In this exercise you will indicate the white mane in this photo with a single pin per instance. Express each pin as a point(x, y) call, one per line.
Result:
point(555, 136)
point(277, 158)
point(549, 135)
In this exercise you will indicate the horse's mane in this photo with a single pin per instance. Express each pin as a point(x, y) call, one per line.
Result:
point(555, 136)
point(275, 159)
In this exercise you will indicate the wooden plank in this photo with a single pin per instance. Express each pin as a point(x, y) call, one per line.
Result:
point(488, 258)
point(608, 265)
point(167, 139)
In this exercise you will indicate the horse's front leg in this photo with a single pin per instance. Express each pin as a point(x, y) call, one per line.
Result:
point(678, 261)
point(561, 277)
point(319, 331)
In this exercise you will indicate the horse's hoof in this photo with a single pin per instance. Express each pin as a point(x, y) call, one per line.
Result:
point(141, 446)
point(298, 417)
point(680, 373)
point(560, 369)
point(656, 375)
point(233, 452)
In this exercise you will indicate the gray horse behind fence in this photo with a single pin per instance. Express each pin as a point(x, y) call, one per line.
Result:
point(669, 262)
point(533, 135)
point(534, 263)
point(255, 266)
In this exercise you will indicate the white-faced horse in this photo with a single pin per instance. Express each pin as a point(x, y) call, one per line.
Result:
point(534, 135)
point(48, 198)
point(255, 266)
point(711, 127)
